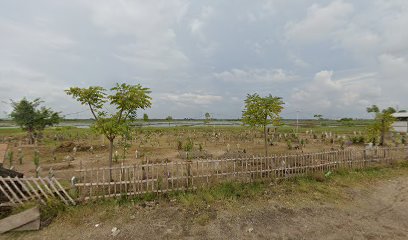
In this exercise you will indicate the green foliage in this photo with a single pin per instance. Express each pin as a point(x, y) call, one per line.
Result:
point(228, 191)
point(289, 144)
point(207, 117)
point(169, 119)
point(36, 158)
point(357, 139)
point(31, 118)
point(188, 147)
point(318, 117)
point(261, 111)
point(10, 156)
point(124, 142)
point(382, 124)
point(145, 117)
point(346, 122)
point(124, 98)
point(51, 209)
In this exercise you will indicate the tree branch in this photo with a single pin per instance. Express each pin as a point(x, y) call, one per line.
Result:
point(92, 111)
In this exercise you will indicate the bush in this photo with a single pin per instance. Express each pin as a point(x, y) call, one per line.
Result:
point(179, 145)
point(357, 139)
point(51, 210)
point(188, 147)
point(289, 143)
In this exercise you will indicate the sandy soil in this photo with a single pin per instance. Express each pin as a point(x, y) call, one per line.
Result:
point(379, 211)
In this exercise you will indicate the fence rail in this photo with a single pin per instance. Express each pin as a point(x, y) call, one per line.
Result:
point(15, 191)
point(188, 175)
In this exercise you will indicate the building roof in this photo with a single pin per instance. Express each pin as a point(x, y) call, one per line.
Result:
point(400, 115)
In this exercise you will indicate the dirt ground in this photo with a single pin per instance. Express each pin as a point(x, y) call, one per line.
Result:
point(155, 147)
point(374, 211)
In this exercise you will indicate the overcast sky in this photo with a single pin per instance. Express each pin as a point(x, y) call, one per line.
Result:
point(329, 57)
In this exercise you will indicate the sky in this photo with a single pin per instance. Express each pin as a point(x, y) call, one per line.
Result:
point(333, 57)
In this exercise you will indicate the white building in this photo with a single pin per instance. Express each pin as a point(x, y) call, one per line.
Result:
point(401, 124)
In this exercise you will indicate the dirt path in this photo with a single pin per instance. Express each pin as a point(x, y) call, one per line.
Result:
point(376, 212)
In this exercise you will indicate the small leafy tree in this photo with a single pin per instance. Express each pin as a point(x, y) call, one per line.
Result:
point(319, 117)
point(33, 118)
point(346, 121)
point(124, 98)
point(145, 117)
point(383, 122)
point(169, 119)
point(207, 118)
point(261, 111)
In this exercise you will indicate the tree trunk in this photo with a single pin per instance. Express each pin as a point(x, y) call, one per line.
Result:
point(265, 141)
point(31, 136)
point(110, 158)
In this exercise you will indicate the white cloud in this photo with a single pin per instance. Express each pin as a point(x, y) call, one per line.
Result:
point(336, 96)
point(148, 56)
point(148, 27)
point(143, 19)
point(191, 98)
point(209, 52)
point(394, 67)
point(319, 23)
point(258, 75)
point(18, 40)
point(197, 24)
point(19, 81)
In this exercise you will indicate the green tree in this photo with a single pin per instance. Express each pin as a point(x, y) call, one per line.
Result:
point(207, 118)
point(169, 119)
point(124, 98)
point(145, 117)
point(32, 118)
point(346, 121)
point(383, 122)
point(319, 117)
point(261, 111)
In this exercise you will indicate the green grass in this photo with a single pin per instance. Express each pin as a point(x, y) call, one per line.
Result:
point(225, 192)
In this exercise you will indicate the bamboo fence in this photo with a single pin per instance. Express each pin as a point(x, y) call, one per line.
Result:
point(165, 177)
point(17, 191)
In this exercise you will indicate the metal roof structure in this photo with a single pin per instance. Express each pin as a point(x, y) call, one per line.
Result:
point(400, 115)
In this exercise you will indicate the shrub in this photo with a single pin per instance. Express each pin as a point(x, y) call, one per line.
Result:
point(188, 147)
point(179, 145)
point(10, 155)
point(289, 143)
